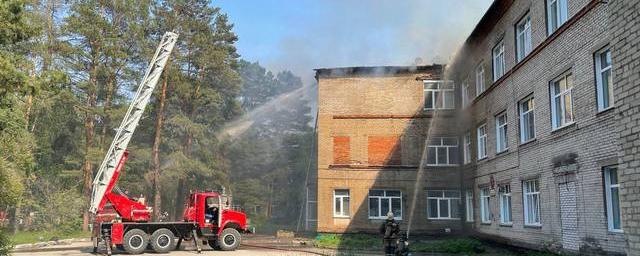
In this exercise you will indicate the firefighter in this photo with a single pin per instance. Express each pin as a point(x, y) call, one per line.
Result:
point(212, 213)
point(390, 230)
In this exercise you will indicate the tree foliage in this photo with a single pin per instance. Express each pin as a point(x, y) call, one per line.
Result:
point(68, 70)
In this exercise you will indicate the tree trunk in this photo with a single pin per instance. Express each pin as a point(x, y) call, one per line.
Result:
point(87, 171)
point(89, 126)
point(15, 224)
point(107, 106)
point(157, 139)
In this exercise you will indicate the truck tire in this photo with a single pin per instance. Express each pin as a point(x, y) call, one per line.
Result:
point(135, 241)
point(229, 239)
point(163, 240)
point(213, 243)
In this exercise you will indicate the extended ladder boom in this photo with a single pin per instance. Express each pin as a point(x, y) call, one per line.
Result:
point(105, 174)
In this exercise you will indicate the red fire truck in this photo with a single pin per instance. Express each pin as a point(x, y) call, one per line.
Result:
point(125, 222)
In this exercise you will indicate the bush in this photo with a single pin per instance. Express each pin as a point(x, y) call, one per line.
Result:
point(461, 245)
point(5, 243)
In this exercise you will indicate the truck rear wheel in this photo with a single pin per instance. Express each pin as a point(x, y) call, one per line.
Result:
point(213, 243)
point(135, 241)
point(229, 239)
point(163, 240)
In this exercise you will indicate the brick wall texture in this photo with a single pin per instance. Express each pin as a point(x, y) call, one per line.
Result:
point(624, 21)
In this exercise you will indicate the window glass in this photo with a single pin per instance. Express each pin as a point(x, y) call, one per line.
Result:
point(523, 38)
point(479, 79)
point(562, 102)
point(498, 61)
point(612, 190)
point(604, 83)
point(531, 198)
point(439, 95)
point(482, 141)
point(527, 122)
point(443, 204)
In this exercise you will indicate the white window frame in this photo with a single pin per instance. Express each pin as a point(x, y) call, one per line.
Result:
point(502, 144)
point(523, 38)
point(506, 215)
point(561, 96)
point(469, 205)
point(466, 100)
point(438, 94)
point(528, 193)
point(442, 145)
point(524, 116)
point(560, 13)
point(479, 80)
point(609, 187)
point(380, 214)
point(466, 150)
point(498, 60)
point(482, 141)
point(485, 205)
point(600, 70)
point(443, 197)
point(345, 212)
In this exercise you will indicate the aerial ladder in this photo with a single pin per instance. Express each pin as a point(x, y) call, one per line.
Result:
point(207, 218)
point(109, 171)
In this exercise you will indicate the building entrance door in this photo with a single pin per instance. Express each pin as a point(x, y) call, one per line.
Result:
point(568, 215)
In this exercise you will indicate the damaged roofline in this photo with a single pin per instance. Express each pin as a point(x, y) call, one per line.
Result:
point(375, 70)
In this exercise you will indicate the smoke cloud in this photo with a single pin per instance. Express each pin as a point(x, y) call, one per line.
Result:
point(337, 33)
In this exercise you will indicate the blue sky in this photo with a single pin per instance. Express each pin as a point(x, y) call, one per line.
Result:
point(301, 35)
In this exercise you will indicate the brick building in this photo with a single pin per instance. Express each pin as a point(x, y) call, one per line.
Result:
point(372, 125)
point(624, 23)
point(537, 120)
point(540, 118)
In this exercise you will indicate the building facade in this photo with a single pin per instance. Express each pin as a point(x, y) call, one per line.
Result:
point(538, 122)
point(372, 127)
point(541, 118)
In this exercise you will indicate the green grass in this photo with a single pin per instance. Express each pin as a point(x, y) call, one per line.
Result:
point(348, 241)
point(457, 245)
point(27, 237)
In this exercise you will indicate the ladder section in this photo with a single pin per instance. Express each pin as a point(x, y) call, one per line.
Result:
point(131, 119)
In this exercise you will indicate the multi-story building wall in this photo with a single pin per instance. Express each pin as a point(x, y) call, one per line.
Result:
point(624, 24)
point(372, 127)
point(534, 127)
point(537, 79)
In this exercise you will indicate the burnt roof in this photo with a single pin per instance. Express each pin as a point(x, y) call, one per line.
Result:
point(376, 70)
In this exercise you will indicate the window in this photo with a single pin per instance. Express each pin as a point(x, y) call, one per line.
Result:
point(485, 212)
point(467, 148)
point(341, 203)
point(523, 38)
point(466, 100)
point(479, 80)
point(439, 95)
point(469, 205)
point(382, 202)
point(531, 201)
point(482, 141)
point(527, 123)
point(505, 204)
point(442, 151)
point(501, 133)
point(556, 14)
point(612, 188)
point(561, 101)
point(443, 204)
point(604, 84)
point(498, 60)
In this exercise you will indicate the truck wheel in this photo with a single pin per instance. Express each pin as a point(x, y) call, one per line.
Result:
point(163, 241)
point(135, 241)
point(229, 239)
point(214, 244)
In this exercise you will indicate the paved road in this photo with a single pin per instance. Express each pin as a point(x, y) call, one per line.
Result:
point(240, 251)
